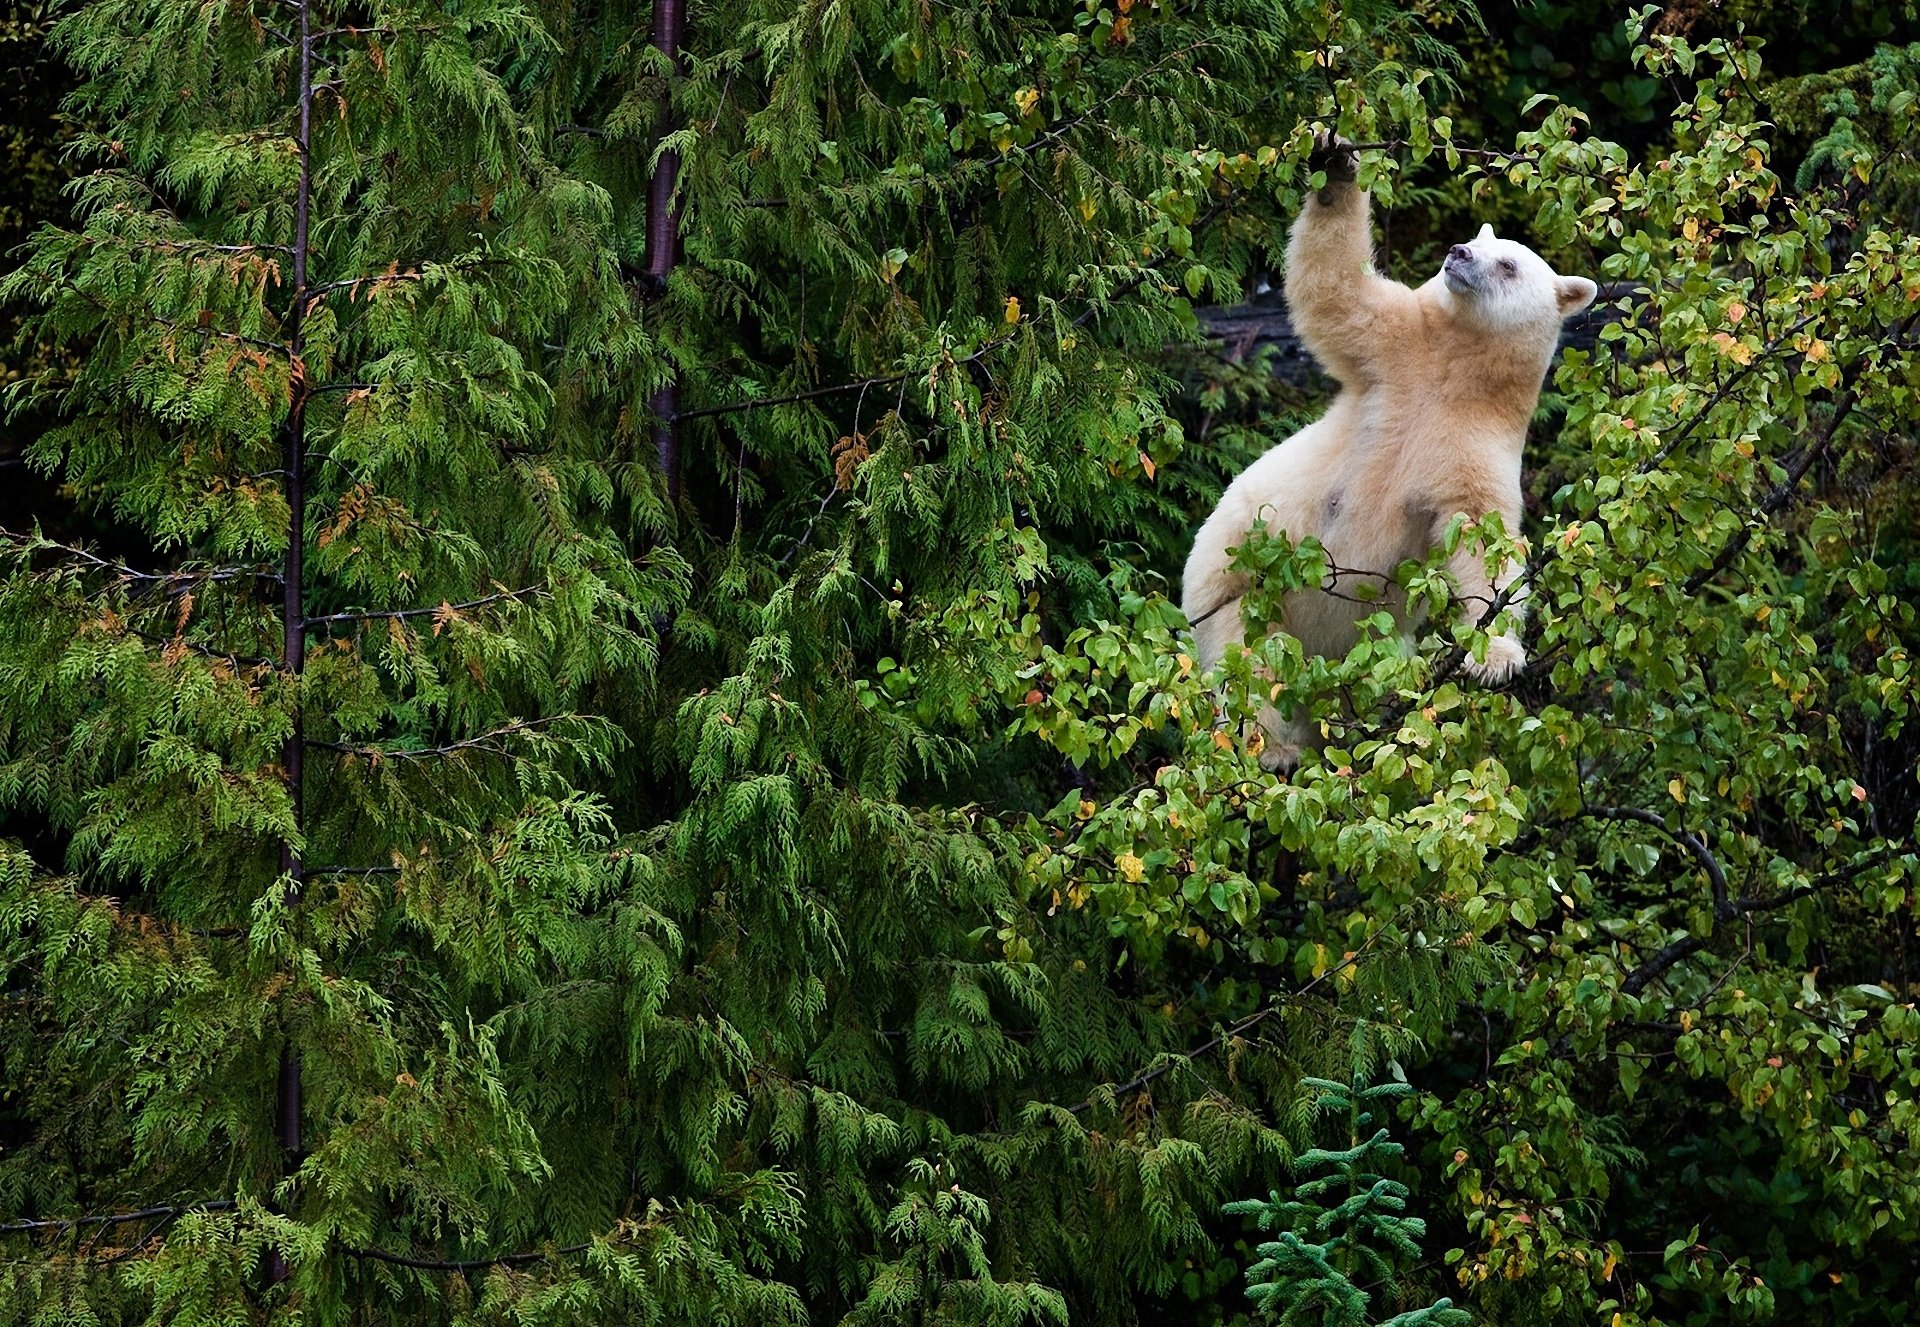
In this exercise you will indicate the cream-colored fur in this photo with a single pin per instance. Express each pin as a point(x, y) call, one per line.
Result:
point(1436, 388)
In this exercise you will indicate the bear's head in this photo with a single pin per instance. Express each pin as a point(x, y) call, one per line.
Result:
point(1507, 287)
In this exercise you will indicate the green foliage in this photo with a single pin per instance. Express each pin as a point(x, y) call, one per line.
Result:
point(832, 892)
point(1306, 1273)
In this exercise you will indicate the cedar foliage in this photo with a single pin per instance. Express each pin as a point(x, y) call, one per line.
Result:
point(815, 884)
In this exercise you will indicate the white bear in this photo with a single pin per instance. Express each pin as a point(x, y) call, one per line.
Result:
point(1437, 386)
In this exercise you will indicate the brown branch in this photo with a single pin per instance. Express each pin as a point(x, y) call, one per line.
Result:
point(1839, 877)
point(1693, 843)
point(1492, 154)
point(463, 1265)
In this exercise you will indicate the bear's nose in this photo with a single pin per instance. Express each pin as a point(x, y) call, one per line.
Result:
point(1460, 253)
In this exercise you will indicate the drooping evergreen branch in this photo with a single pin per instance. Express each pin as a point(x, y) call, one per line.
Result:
point(990, 346)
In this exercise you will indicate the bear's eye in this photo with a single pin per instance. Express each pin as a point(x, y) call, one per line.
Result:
point(1507, 267)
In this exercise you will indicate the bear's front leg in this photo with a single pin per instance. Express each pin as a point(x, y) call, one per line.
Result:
point(1478, 593)
point(1506, 656)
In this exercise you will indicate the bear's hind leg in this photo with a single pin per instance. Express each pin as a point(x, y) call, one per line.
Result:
point(1284, 739)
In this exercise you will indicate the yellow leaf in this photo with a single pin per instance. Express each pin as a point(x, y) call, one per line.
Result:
point(1087, 209)
point(1678, 789)
point(1690, 228)
point(1026, 99)
point(1146, 463)
point(1221, 740)
point(1737, 351)
point(1086, 810)
point(1606, 1269)
point(1013, 308)
point(1131, 867)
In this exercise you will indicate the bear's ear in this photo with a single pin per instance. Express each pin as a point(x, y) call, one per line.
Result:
point(1574, 294)
point(1486, 233)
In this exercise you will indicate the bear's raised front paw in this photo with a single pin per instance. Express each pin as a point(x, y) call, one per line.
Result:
point(1334, 155)
point(1505, 657)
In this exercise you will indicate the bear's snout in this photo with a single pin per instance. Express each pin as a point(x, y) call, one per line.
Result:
point(1460, 253)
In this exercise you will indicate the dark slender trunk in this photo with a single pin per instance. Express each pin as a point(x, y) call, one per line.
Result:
point(293, 462)
point(663, 244)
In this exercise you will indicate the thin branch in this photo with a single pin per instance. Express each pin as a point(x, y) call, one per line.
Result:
point(1233, 1033)
point(466, 1265)
point(118, 1218)
point(1489, 153)
point(397, 614)
point(1776, 497)
point(1842, 876)
point(183, 577)
point(486, 742)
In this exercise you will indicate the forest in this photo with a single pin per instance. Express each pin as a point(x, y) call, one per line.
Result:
point(596, 725)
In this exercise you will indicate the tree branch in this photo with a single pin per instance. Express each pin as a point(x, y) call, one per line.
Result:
point(396, 614)
point(487, 742)
point(463, 1265)
point(118, 1218)
point(1233, 1033)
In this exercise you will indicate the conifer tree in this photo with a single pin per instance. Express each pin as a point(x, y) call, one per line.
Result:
point(1344, 1233)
